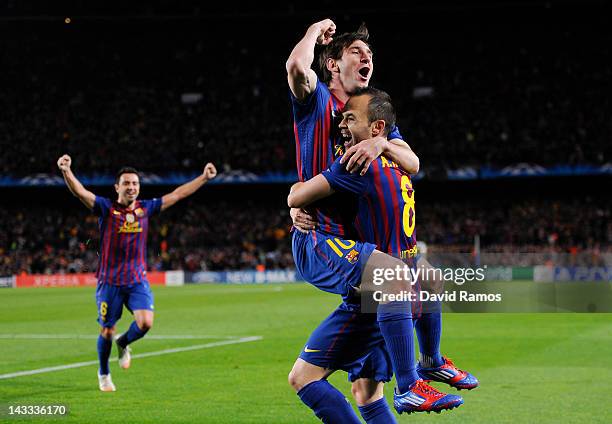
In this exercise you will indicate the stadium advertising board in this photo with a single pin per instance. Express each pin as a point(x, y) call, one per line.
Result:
point(587, 274)
point(243, 277)
point(7, 281)
point(74, 280)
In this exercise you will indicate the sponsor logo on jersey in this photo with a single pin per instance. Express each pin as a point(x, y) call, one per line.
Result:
point(130, 227)
point(338, 150)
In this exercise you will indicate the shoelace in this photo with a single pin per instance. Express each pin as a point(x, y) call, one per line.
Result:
point(450, 362)
point(427, 389)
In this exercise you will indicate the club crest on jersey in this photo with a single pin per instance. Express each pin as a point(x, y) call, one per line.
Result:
point(352, 256)
point(139, 212)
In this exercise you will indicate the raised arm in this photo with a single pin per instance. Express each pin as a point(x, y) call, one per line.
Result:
point(189, 188)
point(361, 155)
point(303, 194)
point(74, 185)
point(302, 79)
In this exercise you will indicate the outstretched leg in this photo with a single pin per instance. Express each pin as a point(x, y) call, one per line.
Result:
point(139, 299)
point(394, 317)
point(396, 325)
point(432, 365)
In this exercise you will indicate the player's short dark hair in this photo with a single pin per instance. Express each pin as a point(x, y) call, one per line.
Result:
point(126, 170)
point(335, 49)
point(379, 106)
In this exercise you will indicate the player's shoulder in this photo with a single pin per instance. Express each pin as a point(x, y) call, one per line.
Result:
point(103, 201)
point(336, 167)
point(322, 87)
point(382, 163)
point(102, 206)
point(384, 171)
point(146, 203)
point(149, 206)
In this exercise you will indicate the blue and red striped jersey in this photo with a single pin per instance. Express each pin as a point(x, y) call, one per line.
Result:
point(386, 207)
point(317, 143)
point(123, 240)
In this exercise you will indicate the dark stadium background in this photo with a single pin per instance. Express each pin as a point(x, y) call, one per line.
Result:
point(512, 83)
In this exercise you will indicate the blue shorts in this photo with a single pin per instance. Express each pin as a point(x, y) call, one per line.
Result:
point(351, 341)
point(330, 263)
point(110, 300)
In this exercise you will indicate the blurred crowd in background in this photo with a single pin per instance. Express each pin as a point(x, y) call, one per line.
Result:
point(491, 97)
point(223, 235)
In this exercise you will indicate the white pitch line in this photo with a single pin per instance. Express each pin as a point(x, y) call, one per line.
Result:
point(140, 355)
point(95, 336)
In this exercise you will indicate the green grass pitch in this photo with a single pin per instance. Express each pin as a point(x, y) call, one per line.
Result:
point(545, 368)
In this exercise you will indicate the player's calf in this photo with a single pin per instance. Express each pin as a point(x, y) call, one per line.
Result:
point(367, 390)
point(143, 321)
point(327, 403)
point(104, 345)
point(369, 396)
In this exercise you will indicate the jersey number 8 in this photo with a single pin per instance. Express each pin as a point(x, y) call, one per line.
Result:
point(408, 214)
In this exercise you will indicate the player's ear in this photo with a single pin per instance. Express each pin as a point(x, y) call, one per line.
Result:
point(377, 127)
point(117, 188)
point(331, 65)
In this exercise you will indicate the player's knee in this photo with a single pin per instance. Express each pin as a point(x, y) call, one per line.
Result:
point(107, 333)
point(299, 378)
point(304, 373)
point(145, 323)
point(295, 380)
point(359, 395)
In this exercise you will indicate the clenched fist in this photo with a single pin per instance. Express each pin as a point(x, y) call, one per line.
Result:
point(64, 163)
point(210, 171)
point(327, 29)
